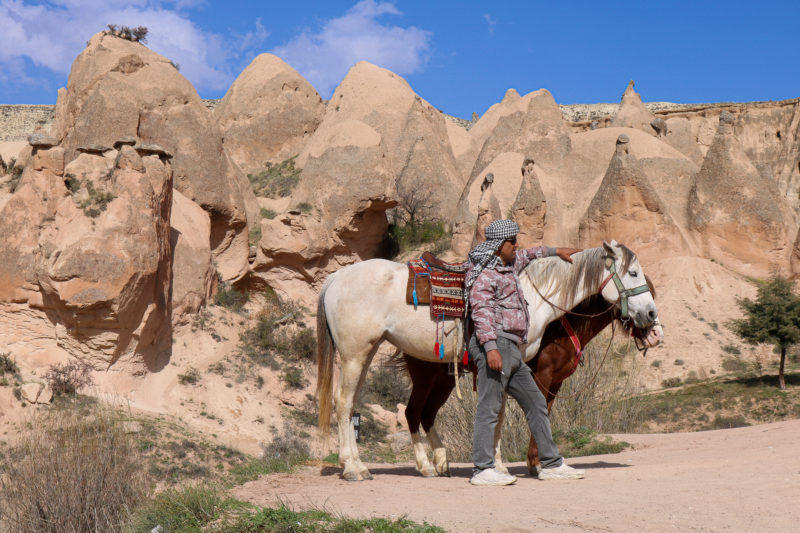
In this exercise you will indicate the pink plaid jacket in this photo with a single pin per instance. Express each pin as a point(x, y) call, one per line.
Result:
point(498, 305)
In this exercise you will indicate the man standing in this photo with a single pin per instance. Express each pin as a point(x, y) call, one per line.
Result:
point(500, 314)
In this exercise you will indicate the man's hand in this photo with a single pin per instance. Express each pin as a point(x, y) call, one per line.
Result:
point(565, 253)
point(495, 360)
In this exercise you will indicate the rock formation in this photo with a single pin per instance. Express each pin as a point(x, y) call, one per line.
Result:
point(95, 255)
point(632, 113)
point(488, 210)
point(627, 208)
point(268, 114)
point(119, 88)
point(530, 207)
point(739, 217)
point(538, 131)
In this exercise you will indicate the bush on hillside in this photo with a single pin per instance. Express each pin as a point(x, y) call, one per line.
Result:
point(72, 473)
point(137, 34)
point(69, 378)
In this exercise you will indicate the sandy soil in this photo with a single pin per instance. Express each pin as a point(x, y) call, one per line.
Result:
point(745, 479)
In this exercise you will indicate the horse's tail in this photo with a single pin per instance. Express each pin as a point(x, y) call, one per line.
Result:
point(326, 355)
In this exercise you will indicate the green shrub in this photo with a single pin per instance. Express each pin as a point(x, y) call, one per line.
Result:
point(731, 349)
point(734, 364)
point(8, 365)
point(230, 298)
point(255, 234)
point(386, 386)
point(305, 208)
point(285, 451)
point(268, 213)
point(137, 34)
point(273, 338)
point(187, 509)
point(293, 376)
point(276, 181)
point(672, 382)
point(728, 422)
point(411, 234)
point(190, 377)
point(581, 441)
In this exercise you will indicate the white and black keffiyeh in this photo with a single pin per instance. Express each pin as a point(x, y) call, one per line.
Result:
point(483, 255)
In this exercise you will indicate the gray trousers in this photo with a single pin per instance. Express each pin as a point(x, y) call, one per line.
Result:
point(519, 384)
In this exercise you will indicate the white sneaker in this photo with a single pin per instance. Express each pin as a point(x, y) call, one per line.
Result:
point(561, 472)
point(490, 476)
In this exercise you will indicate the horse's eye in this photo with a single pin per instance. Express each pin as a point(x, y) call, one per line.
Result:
point(633, 273)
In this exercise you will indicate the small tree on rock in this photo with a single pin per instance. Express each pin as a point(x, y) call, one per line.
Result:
point(772, 318)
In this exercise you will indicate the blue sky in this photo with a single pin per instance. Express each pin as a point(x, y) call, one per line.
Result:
point(460, 56)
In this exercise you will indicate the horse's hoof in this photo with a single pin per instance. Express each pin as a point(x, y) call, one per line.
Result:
point(350, 476)
point(446, 473)
point(365, 475)
point(428, 472)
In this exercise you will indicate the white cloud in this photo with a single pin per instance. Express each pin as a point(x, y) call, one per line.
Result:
point(323, 58)
point(490, 21)
point(53, 34)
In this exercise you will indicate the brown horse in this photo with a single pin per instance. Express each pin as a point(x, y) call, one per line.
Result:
point(554, 362)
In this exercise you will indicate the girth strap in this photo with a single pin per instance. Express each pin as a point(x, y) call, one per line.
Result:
point(575, 342)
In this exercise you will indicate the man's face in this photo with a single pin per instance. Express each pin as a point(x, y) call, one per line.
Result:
point(506, 250)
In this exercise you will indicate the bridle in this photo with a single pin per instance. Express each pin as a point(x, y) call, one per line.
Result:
point(624, 293)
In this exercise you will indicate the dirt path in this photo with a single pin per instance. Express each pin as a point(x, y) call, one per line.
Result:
point(745, 479)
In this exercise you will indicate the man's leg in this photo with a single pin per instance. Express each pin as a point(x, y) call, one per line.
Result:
point(522, 388)
point(490, 396)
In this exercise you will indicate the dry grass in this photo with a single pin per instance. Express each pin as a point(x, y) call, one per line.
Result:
point(73, 472)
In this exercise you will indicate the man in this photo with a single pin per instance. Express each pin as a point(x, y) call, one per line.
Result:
point(500, 314)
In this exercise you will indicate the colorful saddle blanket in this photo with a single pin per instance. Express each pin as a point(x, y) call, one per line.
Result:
point(438, 284)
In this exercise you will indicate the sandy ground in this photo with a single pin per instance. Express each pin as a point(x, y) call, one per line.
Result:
point(745, 479)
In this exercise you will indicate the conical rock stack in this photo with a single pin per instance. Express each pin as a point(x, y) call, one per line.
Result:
point(268, 114)
point(530, 208)
point(739, 217)
point(625, 204)
point(633, 114)
point(118, 90)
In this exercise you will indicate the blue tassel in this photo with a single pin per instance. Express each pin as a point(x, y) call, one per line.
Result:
point(441, 351)
point(414, 295)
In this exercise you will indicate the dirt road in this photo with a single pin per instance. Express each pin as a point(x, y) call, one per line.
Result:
point(745, 479)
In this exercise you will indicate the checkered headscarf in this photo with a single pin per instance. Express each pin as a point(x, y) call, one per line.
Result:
point(482, 256)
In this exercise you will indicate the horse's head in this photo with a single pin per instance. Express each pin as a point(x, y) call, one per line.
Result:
point(625, 283)
point(648, 337)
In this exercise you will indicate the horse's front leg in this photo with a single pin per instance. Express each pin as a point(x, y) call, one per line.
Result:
point(352, 375)
point(498, 430)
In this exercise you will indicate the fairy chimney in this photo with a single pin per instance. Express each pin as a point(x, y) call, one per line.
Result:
point(530, 208)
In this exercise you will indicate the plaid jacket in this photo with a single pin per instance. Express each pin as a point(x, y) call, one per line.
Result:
point(498, 305)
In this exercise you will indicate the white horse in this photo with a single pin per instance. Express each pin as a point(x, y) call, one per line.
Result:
point(362, 305)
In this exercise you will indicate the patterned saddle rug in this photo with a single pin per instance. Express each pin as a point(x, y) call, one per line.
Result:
point(438, 284)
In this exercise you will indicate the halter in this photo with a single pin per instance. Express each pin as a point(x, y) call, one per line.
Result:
point(624, 293)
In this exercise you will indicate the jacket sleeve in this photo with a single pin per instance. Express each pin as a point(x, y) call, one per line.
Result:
point(525, 256)
point(482, 302)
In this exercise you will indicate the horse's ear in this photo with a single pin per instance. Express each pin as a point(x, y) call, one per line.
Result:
point(610, 249)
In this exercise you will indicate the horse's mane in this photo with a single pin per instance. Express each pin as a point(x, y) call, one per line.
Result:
point(551, 274)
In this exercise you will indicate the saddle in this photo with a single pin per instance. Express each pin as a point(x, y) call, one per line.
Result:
point(437, 283)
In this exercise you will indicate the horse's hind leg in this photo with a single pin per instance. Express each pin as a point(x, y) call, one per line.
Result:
point(423, 375)
point(353, 371)
point(436, 399)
